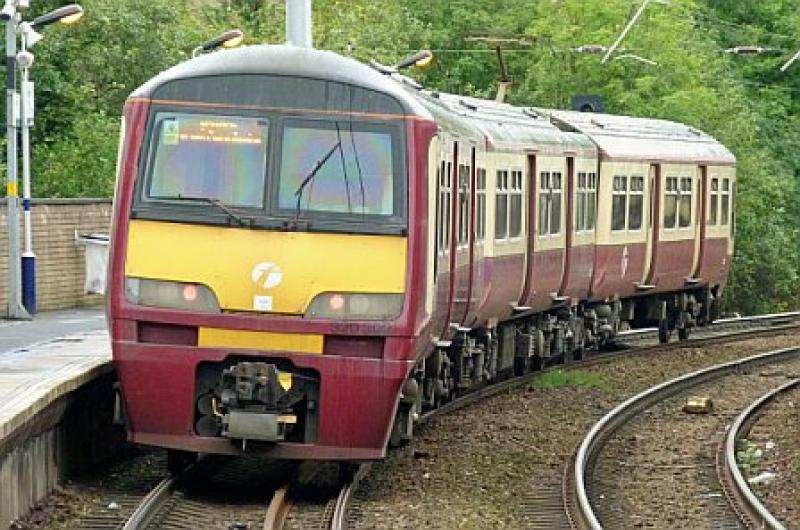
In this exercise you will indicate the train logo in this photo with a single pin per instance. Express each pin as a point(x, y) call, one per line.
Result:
point(267, 275)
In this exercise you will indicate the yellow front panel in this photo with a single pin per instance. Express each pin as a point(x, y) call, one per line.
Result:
point(265, 271)
point(259, 340)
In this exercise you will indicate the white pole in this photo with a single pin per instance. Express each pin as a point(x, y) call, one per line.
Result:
point(298, 23)
point(26, 116)
point(790, 61)
point(15, 308)
point(625, 31)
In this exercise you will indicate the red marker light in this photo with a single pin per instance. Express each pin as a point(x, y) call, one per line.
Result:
point(337, 302)
point(190, 293)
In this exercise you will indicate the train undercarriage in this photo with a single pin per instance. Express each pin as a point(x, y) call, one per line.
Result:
point(526, 342)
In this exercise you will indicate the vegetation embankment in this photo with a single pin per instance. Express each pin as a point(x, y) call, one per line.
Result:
point(83, 74)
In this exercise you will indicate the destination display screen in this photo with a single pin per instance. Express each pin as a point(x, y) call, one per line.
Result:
point(216, 157)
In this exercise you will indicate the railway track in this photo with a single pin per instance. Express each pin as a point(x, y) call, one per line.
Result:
point(735, 486)
point(614, 454)
point(280, 504)
point(216, 492)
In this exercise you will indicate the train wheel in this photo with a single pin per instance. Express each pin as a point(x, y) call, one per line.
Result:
point(177, 461)
point(519, 365)
point(663, 331)
point(403, 427)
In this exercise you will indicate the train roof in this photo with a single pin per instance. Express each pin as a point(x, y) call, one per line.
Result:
point(500, 125)
point(628, 138)
point(283, 60)
point(506, 127)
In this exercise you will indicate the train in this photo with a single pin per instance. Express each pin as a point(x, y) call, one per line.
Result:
point(308, 251)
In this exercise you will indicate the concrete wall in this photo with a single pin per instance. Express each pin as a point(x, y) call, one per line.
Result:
point(60, 264)
point(72, 435)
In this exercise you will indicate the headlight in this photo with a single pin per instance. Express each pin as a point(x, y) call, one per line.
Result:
point(174, 295)
point(355, 306)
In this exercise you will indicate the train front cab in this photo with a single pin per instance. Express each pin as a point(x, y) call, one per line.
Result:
point(263, 269)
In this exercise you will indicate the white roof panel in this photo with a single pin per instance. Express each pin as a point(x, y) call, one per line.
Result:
point(625, 138)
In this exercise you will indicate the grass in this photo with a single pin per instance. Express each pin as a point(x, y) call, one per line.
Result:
point(572, 378)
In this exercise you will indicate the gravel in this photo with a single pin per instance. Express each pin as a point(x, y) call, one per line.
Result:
point(476, 467)
point(659, 470)
point(779, 426)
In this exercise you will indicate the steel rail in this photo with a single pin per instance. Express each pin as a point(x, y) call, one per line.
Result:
point(153, 501)
point(339, 521)
point(718, 323)
point(741, 493)
point(278, 508)
point(622, 412)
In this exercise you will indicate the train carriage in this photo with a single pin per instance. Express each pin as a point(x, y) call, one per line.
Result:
point(308, 251)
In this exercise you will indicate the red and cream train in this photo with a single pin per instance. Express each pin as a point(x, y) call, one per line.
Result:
point(307, 251)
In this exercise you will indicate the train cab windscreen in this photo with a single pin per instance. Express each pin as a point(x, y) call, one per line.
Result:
point(212, 157)
point(269, 171)
point(336, 167)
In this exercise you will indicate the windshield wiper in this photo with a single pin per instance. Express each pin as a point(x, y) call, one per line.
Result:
point(310, 177)
point(232, 216)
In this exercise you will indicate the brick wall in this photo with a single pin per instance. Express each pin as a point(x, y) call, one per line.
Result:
point(60, 264)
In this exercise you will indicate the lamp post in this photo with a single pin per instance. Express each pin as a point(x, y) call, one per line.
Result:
point(19, 110)
point(10, 17)
point(229, 39)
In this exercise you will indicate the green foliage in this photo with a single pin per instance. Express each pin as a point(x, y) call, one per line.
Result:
point(570, 378)
point(84, 72)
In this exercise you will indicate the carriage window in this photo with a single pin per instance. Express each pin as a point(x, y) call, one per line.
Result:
point(686, 202)
point(214, 157)
point(671, 203)
point(515, 205)
point(464, 193)
point(480, 206)
point(544, 203)
point(501, 206)
point(619, 202)
point(636, 203)
point(555, 203)
point(726, 201)
point(713, 202)
point(585, 199)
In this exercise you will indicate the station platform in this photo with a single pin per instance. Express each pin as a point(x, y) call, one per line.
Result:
point(46, 367)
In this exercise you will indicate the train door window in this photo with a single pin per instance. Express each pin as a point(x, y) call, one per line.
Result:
point(501, 206)
point(544, 203)
point(463, 204)
point(671, 203)
point(446, 195)
point(439, 204)
point(580, 203)
point(619, 202)
point(555, 203)
point(725, 200)
point(480, 206)
point(636, 203)
point(713, 202)
point(515, 205)
point(685, 214)
point(591, 200)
